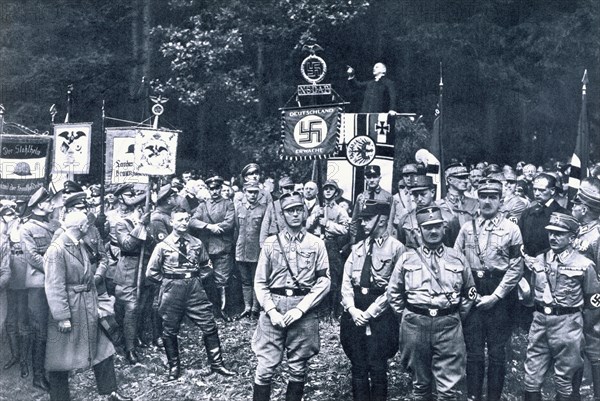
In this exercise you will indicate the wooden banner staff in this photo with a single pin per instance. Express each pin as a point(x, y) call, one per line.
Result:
point(101, 215)
point(140, 266)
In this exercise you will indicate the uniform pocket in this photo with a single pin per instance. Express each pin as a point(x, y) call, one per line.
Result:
point(306, 259)
point(413, 276)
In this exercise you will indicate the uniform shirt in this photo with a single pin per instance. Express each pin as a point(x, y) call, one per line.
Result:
point(160, 223)
point(462, 207)
point(112, 217)
point(412, 281)
point(384, 255)
point(497, 242)
point(565, 280)
point(264, 197)
point(402, 204)
point(588, 242)
point(36, 236)
point(166, 257)
point(221, 213)
point(378, 194)
point(307, 258)
point(337, 220)
point(513, 207)
point(248, 220)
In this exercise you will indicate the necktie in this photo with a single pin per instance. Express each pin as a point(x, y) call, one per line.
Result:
point(371, 194)
point(182, 251)
point(547, 297)
point(365, 274)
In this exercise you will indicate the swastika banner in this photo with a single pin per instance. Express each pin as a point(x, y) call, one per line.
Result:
point(310, 132)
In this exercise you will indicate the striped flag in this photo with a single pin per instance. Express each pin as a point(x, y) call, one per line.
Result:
point(347, 167)
point(580, 158)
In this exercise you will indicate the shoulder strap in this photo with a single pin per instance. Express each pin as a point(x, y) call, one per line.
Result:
point(477, 248)
point(448, 297)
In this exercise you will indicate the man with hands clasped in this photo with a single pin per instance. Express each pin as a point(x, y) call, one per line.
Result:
point(292, 278)
point(491, 244)
point(369, 329)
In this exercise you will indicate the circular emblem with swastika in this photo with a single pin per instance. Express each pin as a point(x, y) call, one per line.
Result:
point(310, 131)
point(472, 294)
point(595, 300)
point(313, 69)
point(360, 151)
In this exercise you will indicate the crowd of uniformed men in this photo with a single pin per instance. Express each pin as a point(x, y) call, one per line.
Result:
point(443, 283)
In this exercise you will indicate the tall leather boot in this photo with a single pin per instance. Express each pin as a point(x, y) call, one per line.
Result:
point(379, 386)
point(596, 380)
point(532, 396)
point(15, 349)
point(24, 360)
point(130, 334)
point(38, 356)
point(475, 372)
point(495, 383)
point(361, 391)
point(562, 397)
point(294, 391)
point(247, 295)
point(223, 303)
point(157, 328)
point(215, 358)
point(172, 350)
point(261, 392)
point(577, 379)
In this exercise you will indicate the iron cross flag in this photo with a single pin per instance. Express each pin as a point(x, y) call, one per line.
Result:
point(310, 132)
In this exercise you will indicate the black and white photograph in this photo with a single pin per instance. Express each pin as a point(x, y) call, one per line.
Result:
point(318, 200)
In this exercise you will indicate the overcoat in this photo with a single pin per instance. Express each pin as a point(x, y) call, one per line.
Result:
point(71, 293)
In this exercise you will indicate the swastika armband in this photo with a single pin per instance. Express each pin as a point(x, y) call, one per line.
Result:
point(514, 251)
point(592, 301)
point(470, 293)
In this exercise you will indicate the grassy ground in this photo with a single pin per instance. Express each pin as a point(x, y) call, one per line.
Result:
point(329, 377)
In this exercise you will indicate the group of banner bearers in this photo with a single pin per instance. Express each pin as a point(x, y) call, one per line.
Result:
point(437, 280)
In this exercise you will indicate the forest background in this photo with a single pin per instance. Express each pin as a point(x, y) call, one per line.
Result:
point(512, 70)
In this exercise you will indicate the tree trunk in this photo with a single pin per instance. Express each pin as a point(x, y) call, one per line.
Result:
point(134, 81)
point(260, 71)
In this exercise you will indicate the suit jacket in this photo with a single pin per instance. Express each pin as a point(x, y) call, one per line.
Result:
point(379, 97)
point(532, 223)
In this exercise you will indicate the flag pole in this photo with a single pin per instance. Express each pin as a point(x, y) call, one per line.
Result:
point(580, 158)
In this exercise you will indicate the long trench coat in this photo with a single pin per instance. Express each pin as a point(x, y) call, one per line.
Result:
point(71, 294)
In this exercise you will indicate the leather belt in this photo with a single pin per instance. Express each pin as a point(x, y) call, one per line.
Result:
point(289, 292)
point(373, 290)
point(77, 288)
point(432, 312)
point(556, 310)
point(483, 274)
point(16, 252)
point(132, 254)
point(190, 274)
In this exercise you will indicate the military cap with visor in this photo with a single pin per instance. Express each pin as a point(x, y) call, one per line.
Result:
point(430, 215)
point(562, 223)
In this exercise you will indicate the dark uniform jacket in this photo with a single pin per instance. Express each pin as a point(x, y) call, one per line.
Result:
point(36, 236)
point(248, 221)
point(220, 212)
point(131, 237)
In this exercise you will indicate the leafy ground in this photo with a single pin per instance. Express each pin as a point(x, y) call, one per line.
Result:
point(329, 376)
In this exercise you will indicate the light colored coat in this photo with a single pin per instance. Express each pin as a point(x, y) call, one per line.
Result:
point(72, 295)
